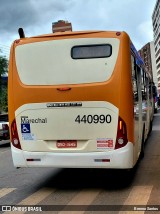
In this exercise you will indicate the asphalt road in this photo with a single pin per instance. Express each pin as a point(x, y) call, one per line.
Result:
point(99, 188)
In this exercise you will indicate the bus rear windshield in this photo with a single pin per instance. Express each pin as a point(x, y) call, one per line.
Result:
point(58, 62)
point(91, 51)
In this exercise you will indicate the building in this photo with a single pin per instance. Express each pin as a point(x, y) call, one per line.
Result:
point(153, 60)
point(156, 31)
point(147, 52)
point(61, 26)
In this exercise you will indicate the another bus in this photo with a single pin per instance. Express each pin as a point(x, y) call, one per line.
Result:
point(78, 99)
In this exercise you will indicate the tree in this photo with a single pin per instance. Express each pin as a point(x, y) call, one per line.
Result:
point(3, 88)
point(3, 65)
point(4, 99)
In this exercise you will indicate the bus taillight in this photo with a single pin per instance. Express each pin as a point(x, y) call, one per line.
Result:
point(14, 135)
point(5, 128)
point(121, 134)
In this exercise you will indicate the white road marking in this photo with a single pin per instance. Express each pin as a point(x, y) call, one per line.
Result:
point(5, 191)
point(139, 195)
point(35, 198)
point(82, 198)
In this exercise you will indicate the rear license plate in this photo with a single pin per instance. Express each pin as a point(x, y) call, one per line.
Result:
point(66, 143)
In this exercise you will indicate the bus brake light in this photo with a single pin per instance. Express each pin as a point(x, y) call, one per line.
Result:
point(14, 135)
point(121, 140)
point(118, 33)
point(5, 128)
point(64, 89)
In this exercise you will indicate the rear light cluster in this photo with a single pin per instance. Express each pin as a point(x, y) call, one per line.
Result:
point(5, 128)
point(121, 140)
point(14, 135)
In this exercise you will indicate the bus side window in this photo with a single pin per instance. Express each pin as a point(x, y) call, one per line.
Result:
point(144, 85)
point(147, 86)
point(150, 90)
point(154, 89)
point(134, 80)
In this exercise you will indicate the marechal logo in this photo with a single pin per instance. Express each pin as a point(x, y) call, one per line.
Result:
point(25, 119)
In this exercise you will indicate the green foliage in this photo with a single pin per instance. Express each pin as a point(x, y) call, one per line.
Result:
point(4, 99)
point(3, 88)
point(3, 65)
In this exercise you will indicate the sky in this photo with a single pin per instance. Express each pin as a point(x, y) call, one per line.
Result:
point(36, 17)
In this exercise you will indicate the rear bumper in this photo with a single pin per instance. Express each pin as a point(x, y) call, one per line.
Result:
point(120, 159)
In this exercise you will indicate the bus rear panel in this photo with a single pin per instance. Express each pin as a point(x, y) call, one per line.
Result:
point(68, 101)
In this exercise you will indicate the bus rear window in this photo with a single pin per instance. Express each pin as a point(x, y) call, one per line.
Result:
point(91, 51)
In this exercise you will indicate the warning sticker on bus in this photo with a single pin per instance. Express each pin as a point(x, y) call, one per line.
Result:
point(28, 136)
point(105, 143)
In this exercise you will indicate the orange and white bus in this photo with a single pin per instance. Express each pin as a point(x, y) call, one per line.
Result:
point(78, 99)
